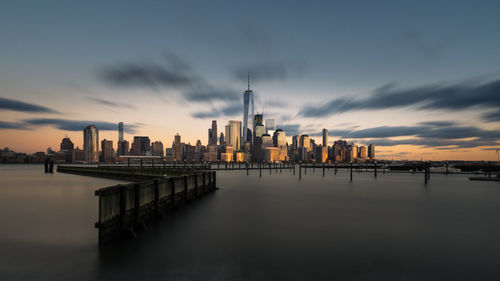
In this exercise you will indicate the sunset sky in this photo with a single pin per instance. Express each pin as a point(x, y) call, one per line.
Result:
point(420, 79)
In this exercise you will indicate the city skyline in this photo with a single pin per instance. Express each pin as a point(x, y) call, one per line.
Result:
point(417, 90)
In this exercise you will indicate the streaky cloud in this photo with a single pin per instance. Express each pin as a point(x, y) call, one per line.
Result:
point(12, 125)
point(15, 105)
point(432, 97)
point(111, 103)
point(77, 125)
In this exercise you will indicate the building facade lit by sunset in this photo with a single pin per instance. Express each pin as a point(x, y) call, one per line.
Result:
point(91, 144)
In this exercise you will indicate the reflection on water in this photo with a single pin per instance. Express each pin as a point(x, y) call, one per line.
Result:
point(270, 228)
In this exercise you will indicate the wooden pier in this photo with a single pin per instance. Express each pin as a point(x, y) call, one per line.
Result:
point(126, 208)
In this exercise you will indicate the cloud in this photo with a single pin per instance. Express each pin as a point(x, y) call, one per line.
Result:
point(433, 97)
point(268, 71)
point(431, 143)
point(12, 125)
point(110, 103)
point(492, 116)
point(176, 73)
point(438, 123)
point(231, 109)
point(290, 129)
point(14, 105)
point(76, 125)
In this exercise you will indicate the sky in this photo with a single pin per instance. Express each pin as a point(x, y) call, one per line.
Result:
point(419, 79)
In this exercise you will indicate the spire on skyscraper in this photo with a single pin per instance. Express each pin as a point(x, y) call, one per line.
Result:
point(249, 80)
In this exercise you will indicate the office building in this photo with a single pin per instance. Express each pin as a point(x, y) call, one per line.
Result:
point(157, 148)
point(248, 112)
point(305, 142)
point(91, 144)
point(120, 131)
point(177, 148)
point(233, 135)
point(325, 137)
point(363, 152)
point(123, 148)
point(371, 151)
point(141, 146)
point(107, 153)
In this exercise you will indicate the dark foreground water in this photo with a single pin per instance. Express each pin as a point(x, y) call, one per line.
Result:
point(270, 228)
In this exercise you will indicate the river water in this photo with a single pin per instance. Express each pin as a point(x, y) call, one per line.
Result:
point(276, 227)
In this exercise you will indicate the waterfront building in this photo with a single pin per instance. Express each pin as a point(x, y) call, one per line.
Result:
point(305, 142)
point(267, 141)
point(233, 134)
point(363, 152)
point(78, 156)
point(271, 154)
point(120, 131)
point(279, 138)
point(67, 144)
point(248, 113)
point(123, 148)
point(228, 154)
point(371, 151)
point(295, 142)
point(325, 137)
point(91, 144)
point(177, 148)
point(211, 154)
point(222, 141)
point(141, 146)
point(321, 154)
point(157, 148)
point(107, 153)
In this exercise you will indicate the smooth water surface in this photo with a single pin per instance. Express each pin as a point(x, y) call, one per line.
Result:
point(276, 227)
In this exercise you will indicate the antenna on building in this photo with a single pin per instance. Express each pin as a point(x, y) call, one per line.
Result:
point(249, 80)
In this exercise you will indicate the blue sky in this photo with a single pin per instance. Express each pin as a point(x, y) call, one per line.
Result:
point(66, 56)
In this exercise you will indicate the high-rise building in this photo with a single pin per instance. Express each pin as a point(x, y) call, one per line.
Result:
point(233, 134)
point(141, 146)
point(177, 148)
point(157, 148)
point(279, 138)
point(325, 137)
point(120, 131)
point(258, 119)
point(363, 152)
point(91, 144)
point(123, 148)
point(295, 142)
point(267, 141)
point(212, 133)
point(371, 151)
point(248, 112)
point(222, 140)
point(107, 151)
point(305, 142)
point(67, 144)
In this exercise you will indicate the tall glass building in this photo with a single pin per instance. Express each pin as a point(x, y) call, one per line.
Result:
point(248, 112)
point(120, 131)
point(91, 144)
point(233, 134)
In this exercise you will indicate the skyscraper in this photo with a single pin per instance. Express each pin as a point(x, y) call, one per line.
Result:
point(157, 148)
point(233, 134)
point(91, 144)
point(325, 137)
point(305, 142)
point(213, 140)
point(371, 151)
point(248, 111)
point(270, 126)
point(120, 131)
point(67, 144)
point(141, 146)
point(107, 150)
point(177, 148)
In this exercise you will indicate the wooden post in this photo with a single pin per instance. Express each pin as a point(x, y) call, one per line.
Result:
point(204, 184)
point(489, 169)
point(137, 203)
point(375, 169)
point(351, 171)
point(425, 173)
point(429, 171)
point(323, 169)
point(335, 168)
point(156, 189)
point(246, 164)
point(185, 189)
point(446, 168)
point(300, 170)
point(293, 168)
point(260, 169)
point(305, 168)
point(195, 185)
point(172, 190)
point(270, 168)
